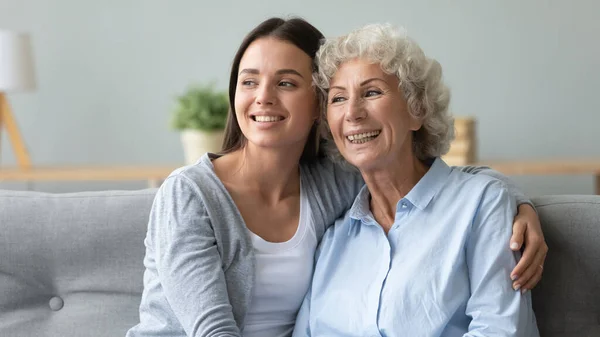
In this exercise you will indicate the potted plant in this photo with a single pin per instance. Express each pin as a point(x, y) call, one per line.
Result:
point(200, 115)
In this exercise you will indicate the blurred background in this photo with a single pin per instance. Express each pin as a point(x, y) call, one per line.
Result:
point(108, 74)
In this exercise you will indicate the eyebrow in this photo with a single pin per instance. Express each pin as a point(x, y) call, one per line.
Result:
point(363, 83)
point(278, 72)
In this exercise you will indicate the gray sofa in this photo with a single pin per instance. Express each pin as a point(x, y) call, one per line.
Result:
point(71, 264)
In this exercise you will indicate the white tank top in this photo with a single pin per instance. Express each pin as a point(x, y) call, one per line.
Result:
point(283, 275)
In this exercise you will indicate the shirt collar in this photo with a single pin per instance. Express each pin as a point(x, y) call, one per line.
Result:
point(361, 208)
point(420, 195)
point(431, 183)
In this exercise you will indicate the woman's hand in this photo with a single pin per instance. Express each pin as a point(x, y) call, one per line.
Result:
point(527, 227)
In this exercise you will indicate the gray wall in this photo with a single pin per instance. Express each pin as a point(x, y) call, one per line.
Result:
point(108, 71)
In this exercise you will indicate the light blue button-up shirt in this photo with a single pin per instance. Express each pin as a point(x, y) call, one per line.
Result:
point(442, 270)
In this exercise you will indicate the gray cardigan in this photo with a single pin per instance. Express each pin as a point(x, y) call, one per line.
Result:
point(199, 259)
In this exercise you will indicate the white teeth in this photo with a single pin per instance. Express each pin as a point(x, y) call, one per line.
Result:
point(267, 118)
point(363, 137)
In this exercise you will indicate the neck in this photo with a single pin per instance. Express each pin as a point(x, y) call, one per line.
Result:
point(390, 183)
point(273, 173)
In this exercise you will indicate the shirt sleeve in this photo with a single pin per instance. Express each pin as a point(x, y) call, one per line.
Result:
point(188, 265)
point(514, 191)
point(494, 307)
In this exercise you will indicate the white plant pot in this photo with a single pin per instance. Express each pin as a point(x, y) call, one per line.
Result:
point(196, 143)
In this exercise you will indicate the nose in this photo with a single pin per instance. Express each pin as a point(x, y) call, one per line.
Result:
point(355, 110)
point(265, 95)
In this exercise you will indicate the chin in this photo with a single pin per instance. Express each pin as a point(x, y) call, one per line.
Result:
point(364, 161)
point(273, 142)
point(359, 161)
point(265, 141)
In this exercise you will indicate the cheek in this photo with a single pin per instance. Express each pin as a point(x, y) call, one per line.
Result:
point(308, 102)
point(241, 103)
point(303, 108)
point(335, 124)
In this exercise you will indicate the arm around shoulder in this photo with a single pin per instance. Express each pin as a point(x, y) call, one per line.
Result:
point(513, 189)
point(332, 189)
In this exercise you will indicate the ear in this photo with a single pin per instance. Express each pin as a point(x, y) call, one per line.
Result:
point(415, 123)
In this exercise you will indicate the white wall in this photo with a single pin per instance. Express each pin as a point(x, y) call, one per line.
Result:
point(108, 71)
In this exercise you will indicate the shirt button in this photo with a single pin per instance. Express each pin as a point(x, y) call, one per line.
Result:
point(404, 205)
point(56, 303)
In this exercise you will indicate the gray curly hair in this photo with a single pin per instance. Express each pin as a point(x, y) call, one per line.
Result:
point(420, 78)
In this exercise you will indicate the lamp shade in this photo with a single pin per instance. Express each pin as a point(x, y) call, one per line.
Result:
point(17, 72)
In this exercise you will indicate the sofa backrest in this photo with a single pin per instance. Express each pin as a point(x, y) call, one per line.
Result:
point(567, 299)
point(71, 264)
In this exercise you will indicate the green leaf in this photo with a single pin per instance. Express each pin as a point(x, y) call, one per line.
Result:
point(201, 108)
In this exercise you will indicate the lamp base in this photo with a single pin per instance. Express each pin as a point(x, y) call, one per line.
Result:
point(7, 120)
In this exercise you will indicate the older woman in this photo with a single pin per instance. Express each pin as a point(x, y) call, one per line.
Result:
point(422, 250)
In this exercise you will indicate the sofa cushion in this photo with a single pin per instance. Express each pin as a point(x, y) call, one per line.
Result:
point(567, 299)
point(71, 264)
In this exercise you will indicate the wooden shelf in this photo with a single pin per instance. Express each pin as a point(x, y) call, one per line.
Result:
point(548, 167)
point(540, 167)
point(152, 174)
point(155, 174)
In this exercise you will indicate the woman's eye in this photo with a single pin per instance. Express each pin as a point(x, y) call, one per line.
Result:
point(372, 93)
point(286, 84)
point(248, 82)
point(337, 99)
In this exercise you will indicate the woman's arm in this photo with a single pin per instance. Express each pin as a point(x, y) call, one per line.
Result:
point(494, 307)
point(526, 229)
point(332, 189)
point(513, 189)
point(188, 265)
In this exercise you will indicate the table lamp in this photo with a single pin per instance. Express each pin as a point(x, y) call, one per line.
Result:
point(16, 75)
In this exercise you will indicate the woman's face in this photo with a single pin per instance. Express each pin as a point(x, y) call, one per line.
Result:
point(368, 115)
point(275, 101)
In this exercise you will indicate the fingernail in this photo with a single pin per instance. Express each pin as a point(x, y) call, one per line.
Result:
point(523, 291)
point(514, 245)
point(517, 286)
point(514, 277)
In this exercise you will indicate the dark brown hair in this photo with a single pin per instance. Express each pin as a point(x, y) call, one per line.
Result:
point(296, 31)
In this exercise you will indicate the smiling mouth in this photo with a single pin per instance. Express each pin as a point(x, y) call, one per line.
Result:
point(364, 137)
point(267, 119)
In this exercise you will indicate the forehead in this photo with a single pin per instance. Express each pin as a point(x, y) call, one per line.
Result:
point(270, 52)
point(359, 70)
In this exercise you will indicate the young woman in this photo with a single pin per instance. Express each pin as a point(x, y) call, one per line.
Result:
point(231, 239)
